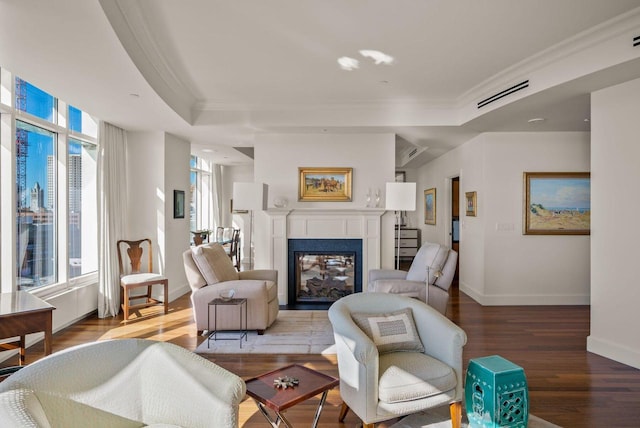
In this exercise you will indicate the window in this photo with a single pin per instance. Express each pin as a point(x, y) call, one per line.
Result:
point(35, 101)
point(55, 155)
point(200, 187)
point(83, 216)
point(193, 218)
point(36, 206)
point(82, 123)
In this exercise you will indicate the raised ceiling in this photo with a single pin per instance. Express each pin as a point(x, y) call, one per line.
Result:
point(223, 73)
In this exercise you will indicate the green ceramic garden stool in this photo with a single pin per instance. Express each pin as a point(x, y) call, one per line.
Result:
point(496, 394)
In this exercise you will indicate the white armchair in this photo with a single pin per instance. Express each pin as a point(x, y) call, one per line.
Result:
point(121, 383)
point(379, 386)
point(441, 262)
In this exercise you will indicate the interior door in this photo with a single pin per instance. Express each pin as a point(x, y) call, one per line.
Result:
point(455, 219)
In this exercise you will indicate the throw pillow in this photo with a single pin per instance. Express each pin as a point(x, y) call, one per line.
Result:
point(214, 263)
point(432, 255)
point(391, 332)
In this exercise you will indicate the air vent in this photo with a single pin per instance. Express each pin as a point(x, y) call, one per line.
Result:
point(509, 91)
point(413, 152)
point(636, 41)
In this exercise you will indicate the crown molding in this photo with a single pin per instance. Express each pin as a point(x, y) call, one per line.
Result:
point(580, 42)
point(127, 18)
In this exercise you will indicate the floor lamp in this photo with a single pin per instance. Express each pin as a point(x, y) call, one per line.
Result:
point(400, 197)
point(250, 197)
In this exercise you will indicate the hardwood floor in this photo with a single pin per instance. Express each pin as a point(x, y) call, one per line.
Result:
point(567, 385)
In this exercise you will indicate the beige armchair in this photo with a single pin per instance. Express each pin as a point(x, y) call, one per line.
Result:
point(210, 271)
point(387, 375)
point(441, 262)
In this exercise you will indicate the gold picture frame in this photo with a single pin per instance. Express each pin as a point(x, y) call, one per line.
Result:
point(557, 203)
point(324, 184)
point(430, 206)
point(472, 203)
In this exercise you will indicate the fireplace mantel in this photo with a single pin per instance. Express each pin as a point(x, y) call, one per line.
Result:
point(313, 223)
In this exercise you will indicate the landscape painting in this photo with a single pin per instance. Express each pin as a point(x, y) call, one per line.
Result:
point(325, 184)
point(430, 206)
point(557, 203)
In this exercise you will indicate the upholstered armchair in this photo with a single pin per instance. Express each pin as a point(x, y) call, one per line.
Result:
point(210, 271)
point(441, 263)
point(415, 365)
point(121, 383)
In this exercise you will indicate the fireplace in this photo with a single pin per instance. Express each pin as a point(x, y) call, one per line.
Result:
point(323, 270)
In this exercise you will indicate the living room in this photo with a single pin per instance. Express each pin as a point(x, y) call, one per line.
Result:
point(489, 149)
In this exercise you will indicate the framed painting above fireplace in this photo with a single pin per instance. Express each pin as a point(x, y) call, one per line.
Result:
point(325, 184)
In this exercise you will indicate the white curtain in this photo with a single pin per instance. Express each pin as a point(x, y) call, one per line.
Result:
point(112, 211)
point(216, 195)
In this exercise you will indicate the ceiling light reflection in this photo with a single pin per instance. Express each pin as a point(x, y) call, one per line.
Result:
point(348, 64)
point(377, 56)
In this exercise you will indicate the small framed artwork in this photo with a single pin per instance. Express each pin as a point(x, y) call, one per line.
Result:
point(430, 206)
point(401, 176)
point(178, 204)
point(325, 184)
point(472, 203)
point(557, 203)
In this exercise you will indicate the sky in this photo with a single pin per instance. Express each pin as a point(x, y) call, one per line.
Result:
point(41, 143)
point(561, 193)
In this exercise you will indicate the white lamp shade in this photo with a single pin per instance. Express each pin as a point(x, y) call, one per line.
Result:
point(250, 196)
point(400, 197)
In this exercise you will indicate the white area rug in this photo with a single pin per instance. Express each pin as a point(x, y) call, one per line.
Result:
point(439, 418)
point(293, 332)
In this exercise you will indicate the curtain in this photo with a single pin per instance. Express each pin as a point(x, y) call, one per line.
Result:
point(112, 211)
point(216, 195)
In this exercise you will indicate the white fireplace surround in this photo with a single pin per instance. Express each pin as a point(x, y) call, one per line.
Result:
point(322, 224)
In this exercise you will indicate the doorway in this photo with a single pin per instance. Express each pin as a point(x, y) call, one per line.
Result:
point(455, 219)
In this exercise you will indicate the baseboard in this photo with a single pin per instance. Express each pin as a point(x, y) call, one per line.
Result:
point(613, 351)
point(525, 299)
point(179, 292)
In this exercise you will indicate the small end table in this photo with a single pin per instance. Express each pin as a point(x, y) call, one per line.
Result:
point(266, 395)
point(213, 334)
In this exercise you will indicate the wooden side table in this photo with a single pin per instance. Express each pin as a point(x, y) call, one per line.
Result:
point(22, 313)
point(266, 395)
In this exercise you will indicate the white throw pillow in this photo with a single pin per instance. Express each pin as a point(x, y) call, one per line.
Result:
point(390, 332)
point(432, 255)
point(214, 264)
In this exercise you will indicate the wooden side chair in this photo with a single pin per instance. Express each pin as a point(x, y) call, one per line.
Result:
point(234, 249)
point(229, 238)
point(134, 277)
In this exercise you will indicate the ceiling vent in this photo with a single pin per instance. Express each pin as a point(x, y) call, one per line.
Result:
point(636, 41)
point(509, 91)
point(410, 157)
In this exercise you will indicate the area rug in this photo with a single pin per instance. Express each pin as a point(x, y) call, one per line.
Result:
point(439, 418)
point(293, 332)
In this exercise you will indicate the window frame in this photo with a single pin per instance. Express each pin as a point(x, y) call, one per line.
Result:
point(63, 134)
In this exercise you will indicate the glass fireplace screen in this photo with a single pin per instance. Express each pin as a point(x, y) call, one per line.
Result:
point(322, 277)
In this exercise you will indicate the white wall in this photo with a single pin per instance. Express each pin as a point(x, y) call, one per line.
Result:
point(230, 175)
point(504, 266)
point(177, 234)
point(278, 157)
point(615, 294)
point(158, 163)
